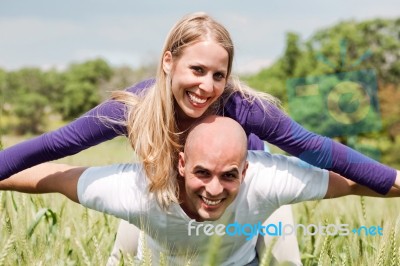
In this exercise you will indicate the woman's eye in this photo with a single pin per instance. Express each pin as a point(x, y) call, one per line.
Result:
point(198, 70)
point(219, 76)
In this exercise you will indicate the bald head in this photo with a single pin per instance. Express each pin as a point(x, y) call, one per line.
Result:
point(212, 167)
point(219, 135)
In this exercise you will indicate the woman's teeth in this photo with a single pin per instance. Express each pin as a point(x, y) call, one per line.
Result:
point(196, 99)
point(211, 202)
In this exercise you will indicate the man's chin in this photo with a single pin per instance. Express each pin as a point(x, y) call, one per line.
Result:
point(210, 217)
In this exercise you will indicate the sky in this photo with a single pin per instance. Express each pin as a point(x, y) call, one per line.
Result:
point(47, 34)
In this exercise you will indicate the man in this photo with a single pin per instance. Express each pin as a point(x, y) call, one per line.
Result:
point(219, 192)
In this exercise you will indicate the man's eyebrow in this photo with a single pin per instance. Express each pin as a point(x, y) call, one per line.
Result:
point(233, 170)
point(200, 167)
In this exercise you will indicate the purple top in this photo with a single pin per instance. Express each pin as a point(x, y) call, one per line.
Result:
point(272, 126)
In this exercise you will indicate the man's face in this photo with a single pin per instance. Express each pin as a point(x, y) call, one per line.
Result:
point(212, 181)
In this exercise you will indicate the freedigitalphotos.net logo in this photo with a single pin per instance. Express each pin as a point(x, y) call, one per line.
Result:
point(339, 104)
point(279, 229)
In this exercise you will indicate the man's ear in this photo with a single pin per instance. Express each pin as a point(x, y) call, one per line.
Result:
point(167, 62)
point(181, 164)
point(246, 165)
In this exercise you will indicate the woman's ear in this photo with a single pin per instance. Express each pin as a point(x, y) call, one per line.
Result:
point(167, 62)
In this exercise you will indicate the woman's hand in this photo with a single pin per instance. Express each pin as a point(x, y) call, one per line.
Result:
point(397, 181)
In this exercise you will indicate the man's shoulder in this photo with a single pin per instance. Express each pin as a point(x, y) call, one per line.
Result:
point(130, 173)
point(265, 164)
point(117, 169)
point(286, 178)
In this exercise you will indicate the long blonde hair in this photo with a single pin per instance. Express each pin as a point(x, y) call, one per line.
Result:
point(151, 122)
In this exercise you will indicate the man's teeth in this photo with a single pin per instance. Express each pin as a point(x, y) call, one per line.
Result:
point(196, 99)
point(211, 202)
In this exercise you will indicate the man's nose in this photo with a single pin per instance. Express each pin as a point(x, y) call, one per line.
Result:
point(214, 187)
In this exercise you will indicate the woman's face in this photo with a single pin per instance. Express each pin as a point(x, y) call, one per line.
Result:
point(198, 77)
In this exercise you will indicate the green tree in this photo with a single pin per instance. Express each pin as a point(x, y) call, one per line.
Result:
point(54, 84)
point(31, 110)
point(292, 53)
point(273, 79)
point(82, 82)
point(124, 77)
point(25, 97)
point(344, 50)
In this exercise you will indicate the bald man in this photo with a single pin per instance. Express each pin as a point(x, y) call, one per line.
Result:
point(222, 190)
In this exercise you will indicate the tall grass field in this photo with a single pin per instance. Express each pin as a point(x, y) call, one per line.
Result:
point(50, 230)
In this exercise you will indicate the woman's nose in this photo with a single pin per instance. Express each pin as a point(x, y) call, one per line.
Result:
point(207, 84)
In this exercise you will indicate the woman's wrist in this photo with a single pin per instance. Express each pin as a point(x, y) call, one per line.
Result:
point(397, 181)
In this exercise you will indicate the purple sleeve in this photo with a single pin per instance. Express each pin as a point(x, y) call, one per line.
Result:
point(277, 128)
point(254, 142)
point(85, 132)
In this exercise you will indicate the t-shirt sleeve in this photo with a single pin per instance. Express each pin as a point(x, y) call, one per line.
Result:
point(303, 181)
point(272, 125)
point(112, 189)
point(284, 180)
point(100, 124)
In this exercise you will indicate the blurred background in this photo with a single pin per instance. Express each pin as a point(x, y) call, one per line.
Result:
point(335, 66)
point(59, 59)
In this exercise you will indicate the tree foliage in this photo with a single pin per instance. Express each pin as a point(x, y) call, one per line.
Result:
point(81, 90)
point(331, 56)
point(25, 97)
point(327, 72)
point(347, 46)
point(31, 97)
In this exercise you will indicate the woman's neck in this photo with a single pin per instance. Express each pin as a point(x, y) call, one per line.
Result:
point(184, 122)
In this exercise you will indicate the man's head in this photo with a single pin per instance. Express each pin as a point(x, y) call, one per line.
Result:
point(212, 166)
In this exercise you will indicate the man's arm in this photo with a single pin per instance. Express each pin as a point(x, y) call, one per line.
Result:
point(339, 186)
point(46, 178)
point(119, 190)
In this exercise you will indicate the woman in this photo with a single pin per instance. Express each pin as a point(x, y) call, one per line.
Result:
point(193, 80)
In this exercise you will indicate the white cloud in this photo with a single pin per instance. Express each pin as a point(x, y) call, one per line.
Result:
point(131, 31)
point(114, 57)
point(20, 30)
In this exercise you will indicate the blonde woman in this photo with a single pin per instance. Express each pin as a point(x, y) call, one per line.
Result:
point(193, 80)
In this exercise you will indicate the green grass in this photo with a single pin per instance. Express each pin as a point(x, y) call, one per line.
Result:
point(352, 249)
point(50, 230)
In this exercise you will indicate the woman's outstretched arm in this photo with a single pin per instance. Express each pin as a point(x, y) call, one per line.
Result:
point(272, 125)
point(90, 129)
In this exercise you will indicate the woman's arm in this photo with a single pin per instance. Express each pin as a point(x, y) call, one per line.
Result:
point(339, 186)
point(274, 126)
point(87, 131)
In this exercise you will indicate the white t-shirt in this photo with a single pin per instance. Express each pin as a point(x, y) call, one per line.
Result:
point(271, 181)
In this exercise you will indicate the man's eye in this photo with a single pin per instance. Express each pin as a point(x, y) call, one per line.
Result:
point(229, 176)
point(202, 172)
